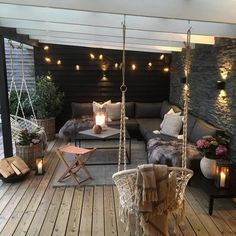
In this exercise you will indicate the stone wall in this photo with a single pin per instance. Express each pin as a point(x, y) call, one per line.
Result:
point(209, 64)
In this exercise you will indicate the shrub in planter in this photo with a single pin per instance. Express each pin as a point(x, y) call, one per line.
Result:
point(29, 147)
point(47, 101)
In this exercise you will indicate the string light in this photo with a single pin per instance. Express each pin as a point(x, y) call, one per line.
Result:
point(100, 57)
point(133, 67)
point(47, 59)
point(77, 67)
point(116, 65)
point(92, 56)
point(166, 69)
point(46, 47)
point(58, 62)
point(49, 77)
point(150, 64)
point(162, 56)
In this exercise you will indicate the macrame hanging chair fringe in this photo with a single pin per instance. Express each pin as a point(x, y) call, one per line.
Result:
point(123, 89)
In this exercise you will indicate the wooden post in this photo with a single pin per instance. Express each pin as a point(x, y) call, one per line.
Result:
point(5, 115)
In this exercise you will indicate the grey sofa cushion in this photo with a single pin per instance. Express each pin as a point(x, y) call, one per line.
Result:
point(191, 122)
point(200, 129)
point(149, 123)
point(165, 107)
point(131, 125)
point(147, 110)
point(130, 109)
point(81, 109)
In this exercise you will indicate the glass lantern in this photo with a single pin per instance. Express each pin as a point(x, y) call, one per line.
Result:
point(101, 119)
point(222, 173)
point(39, 166)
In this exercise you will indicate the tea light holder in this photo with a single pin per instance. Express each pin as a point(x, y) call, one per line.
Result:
point(101, 118)
point(39, 166)
point(222, 173)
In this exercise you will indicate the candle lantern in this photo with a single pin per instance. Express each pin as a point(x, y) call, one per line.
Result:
point(39, 166)
point(222, 173)
point(101, 118)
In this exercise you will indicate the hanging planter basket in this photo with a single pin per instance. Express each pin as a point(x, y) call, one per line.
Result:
point(49, 127)
point(29, 153)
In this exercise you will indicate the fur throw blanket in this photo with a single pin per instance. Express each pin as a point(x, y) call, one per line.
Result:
point(169, 152)
point(73, 126)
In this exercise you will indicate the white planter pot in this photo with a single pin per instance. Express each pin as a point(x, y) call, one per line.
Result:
point(208, 167)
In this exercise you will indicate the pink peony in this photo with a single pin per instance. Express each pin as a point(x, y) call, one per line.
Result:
point(221, 150)
point(202, 143)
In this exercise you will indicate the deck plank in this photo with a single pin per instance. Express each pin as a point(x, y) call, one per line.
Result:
point(98, 211)
point(51, 217)
point(75, 213)
point(109, 210)
point(63, 215)
point(87, 212)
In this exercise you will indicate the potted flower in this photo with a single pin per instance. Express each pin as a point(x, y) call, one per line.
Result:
point(29, 147)
point(211, 149)
point(47, 101)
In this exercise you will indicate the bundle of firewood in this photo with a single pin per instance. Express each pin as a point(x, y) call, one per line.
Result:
point(13, 165)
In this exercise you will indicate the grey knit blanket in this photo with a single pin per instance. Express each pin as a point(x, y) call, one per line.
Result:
point(169, 152)
point(73, 126)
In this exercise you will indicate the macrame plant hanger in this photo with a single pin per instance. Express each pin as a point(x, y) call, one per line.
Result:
point(123, 89)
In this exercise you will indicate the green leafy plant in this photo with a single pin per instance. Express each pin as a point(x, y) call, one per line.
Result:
point(27, 137)
point(47, 99)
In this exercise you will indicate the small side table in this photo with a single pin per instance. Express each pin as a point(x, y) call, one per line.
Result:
point(210, 189)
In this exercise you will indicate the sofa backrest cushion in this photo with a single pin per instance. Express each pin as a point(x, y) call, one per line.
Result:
point(147, 110)
point(165, 107)
point(200, 129)
point(191, 122)
point(130, 109)
point(81, 109)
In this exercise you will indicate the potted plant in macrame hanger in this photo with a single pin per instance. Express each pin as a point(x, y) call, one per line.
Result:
point(47, 101)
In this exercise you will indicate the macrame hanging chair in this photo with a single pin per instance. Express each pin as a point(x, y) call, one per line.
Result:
point(125, 180)
point(19, 123)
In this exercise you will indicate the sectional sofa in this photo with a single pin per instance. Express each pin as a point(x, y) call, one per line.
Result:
point(144, 118)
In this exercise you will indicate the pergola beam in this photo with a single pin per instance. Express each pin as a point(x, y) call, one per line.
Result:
point(194, 10)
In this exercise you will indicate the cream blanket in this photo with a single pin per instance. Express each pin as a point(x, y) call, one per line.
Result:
point(152, 195)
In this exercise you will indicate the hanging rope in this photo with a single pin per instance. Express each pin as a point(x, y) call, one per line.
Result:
point(123, 89)
point(186, 99)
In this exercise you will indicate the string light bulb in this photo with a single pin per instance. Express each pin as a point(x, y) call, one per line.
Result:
point(49, 77)
point(166, 69)
point(133, 67)
point(92, 56)
point(162, 56)
point(47, 59)
point(150, 64)
point(46, 47)
point(116, 65)
point(100, 57)
point(58, 62)
point(77, 67)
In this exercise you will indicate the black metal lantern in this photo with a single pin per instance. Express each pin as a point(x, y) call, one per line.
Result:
point(39, 166)
point(222, 173)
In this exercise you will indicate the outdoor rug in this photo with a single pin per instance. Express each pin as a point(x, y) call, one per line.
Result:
point(102, 174)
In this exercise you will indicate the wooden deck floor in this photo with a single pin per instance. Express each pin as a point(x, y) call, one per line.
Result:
point(34, 207)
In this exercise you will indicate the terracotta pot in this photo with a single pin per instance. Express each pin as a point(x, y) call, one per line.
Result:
point(208, 167)
point(49, 127)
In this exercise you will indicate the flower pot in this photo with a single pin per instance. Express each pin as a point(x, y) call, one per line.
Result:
point(49, 127)
point(29, 153)
point(208, 167)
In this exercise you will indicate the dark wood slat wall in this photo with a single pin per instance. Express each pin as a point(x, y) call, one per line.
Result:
point(85, 85)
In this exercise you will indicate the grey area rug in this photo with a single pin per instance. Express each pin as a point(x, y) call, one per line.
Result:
point(102, 174)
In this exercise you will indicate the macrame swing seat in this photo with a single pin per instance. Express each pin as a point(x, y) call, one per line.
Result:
point(19, 123)
point(125, 180)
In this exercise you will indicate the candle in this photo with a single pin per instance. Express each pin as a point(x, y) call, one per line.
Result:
point(40, 167)
point(222, 179)
point(100, 120)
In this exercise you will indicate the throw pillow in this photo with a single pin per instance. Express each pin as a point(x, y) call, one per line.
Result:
point(100, 106)
point(172, 125)
point(113, 111)
point(170, 112)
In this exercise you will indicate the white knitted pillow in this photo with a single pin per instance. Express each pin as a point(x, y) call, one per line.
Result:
point(113, 111)
point(172, 125)
point(170, 112)
point(100, 106)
